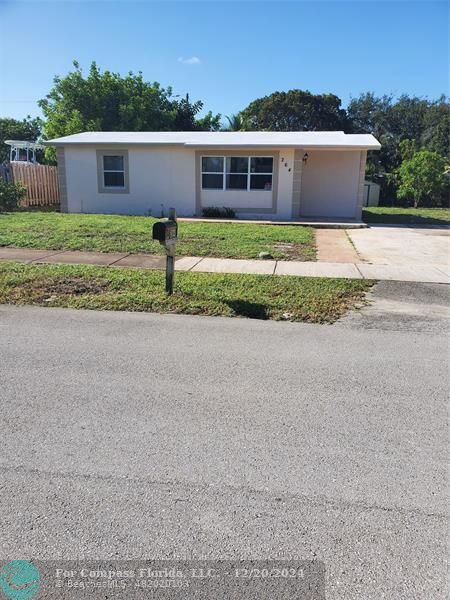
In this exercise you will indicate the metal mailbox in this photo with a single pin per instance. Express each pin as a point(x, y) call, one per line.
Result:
point(165, 232)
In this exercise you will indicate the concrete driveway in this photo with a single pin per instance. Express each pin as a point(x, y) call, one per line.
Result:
point(146, 436)
point(411, 246)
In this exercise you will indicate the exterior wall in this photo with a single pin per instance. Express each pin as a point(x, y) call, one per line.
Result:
point(371, 194)
point(297, 183)
point(159, 178)
point(362, 173)
point(330, 184)
point(62, 180)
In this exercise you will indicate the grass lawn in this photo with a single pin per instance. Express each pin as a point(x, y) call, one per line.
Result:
point(407, 216)
point(111, 233)
point(315, 300)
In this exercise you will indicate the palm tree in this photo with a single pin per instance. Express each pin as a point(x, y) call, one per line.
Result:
point(235, 123)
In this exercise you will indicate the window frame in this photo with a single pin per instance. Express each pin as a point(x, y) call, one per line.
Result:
point(224, 172)
point(104, 189)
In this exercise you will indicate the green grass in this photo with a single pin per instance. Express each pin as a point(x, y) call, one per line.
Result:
point(111, 233)
point(315, 300)
point(407, 216)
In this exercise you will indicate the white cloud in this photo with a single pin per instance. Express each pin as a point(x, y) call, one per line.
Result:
point(194, 60)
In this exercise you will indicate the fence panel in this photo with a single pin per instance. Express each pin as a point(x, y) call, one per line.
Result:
point(41, 182)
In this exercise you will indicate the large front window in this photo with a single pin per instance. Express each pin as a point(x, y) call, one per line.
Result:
point(237, 173)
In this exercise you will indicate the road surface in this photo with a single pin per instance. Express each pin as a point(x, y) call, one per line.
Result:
point(146, 436)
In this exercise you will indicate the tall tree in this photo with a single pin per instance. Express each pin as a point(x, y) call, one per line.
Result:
point(296, 110)
point(436, 133)
point(403, 126)
point(106, 101)
point(11, 129)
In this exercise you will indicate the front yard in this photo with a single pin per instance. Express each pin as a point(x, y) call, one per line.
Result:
point(407, 216)
point(314, 300)
point(111, 233)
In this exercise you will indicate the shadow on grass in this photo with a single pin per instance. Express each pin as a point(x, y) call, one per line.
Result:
point(34, 209)
point(251, 310)
point(405, 218)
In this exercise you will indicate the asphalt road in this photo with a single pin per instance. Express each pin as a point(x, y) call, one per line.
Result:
point(131, 436)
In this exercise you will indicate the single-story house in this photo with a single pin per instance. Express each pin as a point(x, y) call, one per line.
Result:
point(268, 175)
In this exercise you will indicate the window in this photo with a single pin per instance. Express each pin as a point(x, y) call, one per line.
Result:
point(237, 173)
point(261, 168)
point(212, 172)
point(112, 170)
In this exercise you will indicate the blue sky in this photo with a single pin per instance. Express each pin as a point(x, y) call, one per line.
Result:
point(228, 53)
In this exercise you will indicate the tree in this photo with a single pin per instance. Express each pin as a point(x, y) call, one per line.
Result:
point(236, 123)
point(185, 117)
point(423, 178)
point(402, 126)
point(11, 129)
point(407, 149)
point(368, 114)
point(106, 101)
point(296, 110)
point(437, 136)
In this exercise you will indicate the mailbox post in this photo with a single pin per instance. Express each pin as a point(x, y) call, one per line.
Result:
point(166, 232)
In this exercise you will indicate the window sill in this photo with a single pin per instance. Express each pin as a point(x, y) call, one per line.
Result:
point(222, 190)
point(114, 190)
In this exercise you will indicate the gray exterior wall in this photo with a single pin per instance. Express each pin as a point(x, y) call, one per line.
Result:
point(62, 180)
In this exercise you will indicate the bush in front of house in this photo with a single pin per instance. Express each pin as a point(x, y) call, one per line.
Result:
point(10, 194)
point(215, 212)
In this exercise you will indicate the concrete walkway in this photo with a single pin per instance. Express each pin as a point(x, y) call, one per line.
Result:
point(333, 245)
point(425, 273)
point(317, 224)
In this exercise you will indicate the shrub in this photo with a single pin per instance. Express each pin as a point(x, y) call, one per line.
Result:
point(10, 194)
point(423, 178)
point(218, 213)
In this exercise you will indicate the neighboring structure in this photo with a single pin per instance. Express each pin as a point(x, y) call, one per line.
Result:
point(23, 151)
point(40, 181)
point(270, 175)
point(371, 194)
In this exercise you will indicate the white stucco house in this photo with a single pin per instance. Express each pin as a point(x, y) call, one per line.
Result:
point(269, 175)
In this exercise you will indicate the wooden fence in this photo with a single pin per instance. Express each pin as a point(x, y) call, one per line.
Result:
point(41, 182)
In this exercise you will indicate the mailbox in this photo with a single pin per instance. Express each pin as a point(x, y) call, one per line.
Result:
point(165, 232)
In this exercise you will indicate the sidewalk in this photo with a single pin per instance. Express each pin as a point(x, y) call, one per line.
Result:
point(424, 273)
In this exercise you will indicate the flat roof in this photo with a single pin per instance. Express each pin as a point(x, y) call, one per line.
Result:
point(202, 139)
point(24, 144)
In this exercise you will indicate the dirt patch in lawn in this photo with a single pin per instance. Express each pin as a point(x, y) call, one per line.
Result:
point(293, 251)
point(43, 289)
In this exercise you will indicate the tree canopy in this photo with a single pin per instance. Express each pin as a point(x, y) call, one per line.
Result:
point(106, 101)
point(403, 126)
point(296, 110)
